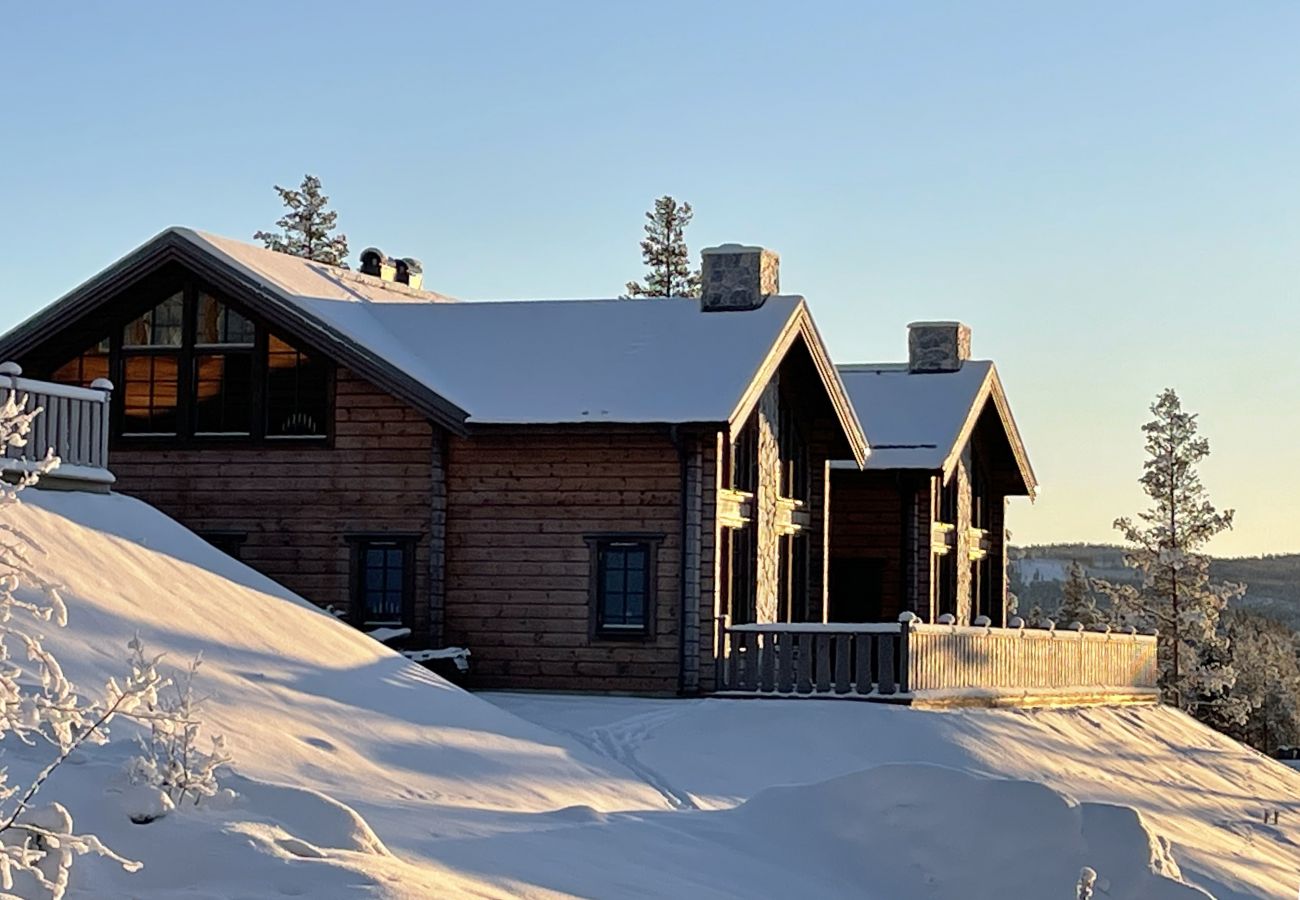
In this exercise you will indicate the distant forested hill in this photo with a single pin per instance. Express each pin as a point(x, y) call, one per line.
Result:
point(1272, 582)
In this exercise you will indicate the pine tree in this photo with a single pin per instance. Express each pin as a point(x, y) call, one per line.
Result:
point(1175, 594)
point(664, 251)
point(307, 228)
point(1077, 601)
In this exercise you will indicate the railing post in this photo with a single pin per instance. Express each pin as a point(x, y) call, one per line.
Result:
point(906, 620)
point(100, 452)
point(720, 653)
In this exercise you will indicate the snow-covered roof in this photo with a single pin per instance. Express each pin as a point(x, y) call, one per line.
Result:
point(921, 420)
point(294, 276)
point(563, 361)
point(497, 362)
point(535, 361)
point(913, 419)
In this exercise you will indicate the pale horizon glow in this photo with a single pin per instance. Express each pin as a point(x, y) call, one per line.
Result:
point(1106, 194)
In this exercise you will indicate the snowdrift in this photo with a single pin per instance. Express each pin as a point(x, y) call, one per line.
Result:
point(357, 773)
point(333, 735)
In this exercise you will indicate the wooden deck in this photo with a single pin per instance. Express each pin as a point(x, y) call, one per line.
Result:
point(73, 425)
point(937, 665)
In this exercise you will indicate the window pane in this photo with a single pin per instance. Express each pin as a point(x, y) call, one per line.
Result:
point(636, 607)
point(223, 393)
point(149, 394)
point(382, 582)
point(623, 582)
point(85, 368)
point(159, 327)
point(297, 386)
point(216, 323)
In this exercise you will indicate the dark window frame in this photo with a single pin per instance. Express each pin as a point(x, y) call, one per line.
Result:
point(596, 543)
point(358, 544)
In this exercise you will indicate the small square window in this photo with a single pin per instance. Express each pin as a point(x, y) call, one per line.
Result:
point(622, 586)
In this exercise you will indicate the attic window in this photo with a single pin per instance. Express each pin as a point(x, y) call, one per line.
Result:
point(195, 366)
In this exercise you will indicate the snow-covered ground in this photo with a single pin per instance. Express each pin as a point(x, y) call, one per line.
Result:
point(358, 773)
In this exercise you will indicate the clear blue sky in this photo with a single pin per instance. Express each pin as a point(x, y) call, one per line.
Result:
point(1109, 193)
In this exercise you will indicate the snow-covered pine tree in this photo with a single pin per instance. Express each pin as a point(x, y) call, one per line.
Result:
point(1175, 594)
point(307, 227)
point(1077, 601)
point(1267, 683)
point(668, 262)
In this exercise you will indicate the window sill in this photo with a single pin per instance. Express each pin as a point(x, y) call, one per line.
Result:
point(619, 636)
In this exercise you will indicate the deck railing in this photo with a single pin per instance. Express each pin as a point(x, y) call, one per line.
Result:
point(73, 424)
point(910, 661)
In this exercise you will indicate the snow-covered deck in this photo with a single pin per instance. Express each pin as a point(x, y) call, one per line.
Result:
point(937, 665)
point(72, 425)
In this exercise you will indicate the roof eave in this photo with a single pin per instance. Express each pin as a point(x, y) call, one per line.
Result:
point(176, 244)
point(800, 324)
point(992, 388)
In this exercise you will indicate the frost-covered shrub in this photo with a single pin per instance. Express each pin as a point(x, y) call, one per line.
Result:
point(1087, 880)
point(171, 758)
point(39, 706)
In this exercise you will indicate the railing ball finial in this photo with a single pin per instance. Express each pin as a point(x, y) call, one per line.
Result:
point(907, 618)
point(11, 368)
point(102, 384)
point(1049, 624)
point(1076, 626)
point(947, 619)
point(983, 622)
point(1016, 622)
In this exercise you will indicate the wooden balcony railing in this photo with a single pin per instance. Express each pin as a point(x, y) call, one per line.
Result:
point(73, 424)
point(913, 662)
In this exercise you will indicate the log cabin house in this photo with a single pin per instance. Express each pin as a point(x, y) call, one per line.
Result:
point(923, 527)
point(599, 495)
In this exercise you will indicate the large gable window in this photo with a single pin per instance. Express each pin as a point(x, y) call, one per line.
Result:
point(195, 366)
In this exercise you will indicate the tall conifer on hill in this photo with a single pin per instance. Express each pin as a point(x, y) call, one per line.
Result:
point(307, 227)
point(668, 262)
point(1175, 594)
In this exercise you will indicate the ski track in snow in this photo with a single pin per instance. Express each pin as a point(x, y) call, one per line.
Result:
point(619, 741)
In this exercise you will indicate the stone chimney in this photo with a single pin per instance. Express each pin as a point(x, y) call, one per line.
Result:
point(737, 277)
point(937, 346)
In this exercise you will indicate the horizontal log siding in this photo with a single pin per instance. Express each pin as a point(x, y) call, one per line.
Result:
point(867, 522)
point(520, 503)
point(296, 501)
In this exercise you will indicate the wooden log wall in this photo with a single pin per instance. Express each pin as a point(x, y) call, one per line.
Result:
point(520, 505)
point(296, 500)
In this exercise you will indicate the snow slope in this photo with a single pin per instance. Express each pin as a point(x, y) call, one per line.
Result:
point(357, 773)
point(303, 701)
point(1153, 774)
